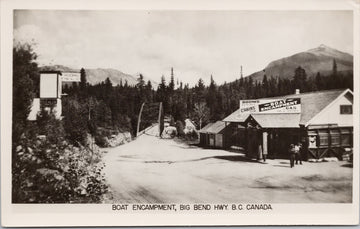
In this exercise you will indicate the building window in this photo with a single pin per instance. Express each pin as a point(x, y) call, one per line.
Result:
point(335, 137)
point(345, 109)
point(323, 138)
point(346, 137)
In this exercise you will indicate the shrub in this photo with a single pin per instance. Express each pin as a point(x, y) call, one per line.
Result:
point(75, 121)
point(48, 169)
point(180, 128)
point(193, 135)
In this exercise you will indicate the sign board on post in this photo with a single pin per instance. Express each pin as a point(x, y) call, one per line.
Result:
point(271, 106)
point(70, 77)
point(49, 85)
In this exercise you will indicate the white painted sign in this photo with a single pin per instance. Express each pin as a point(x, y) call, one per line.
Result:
point(70, 77)
point(289, 105)
point(49, 85)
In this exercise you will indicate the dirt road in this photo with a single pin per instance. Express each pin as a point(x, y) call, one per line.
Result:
point(153, 170)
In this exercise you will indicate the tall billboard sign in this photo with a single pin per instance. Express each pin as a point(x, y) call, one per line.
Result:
point(50, 85)
point(270, 106)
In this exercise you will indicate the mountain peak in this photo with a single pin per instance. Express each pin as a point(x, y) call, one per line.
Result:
point(324, 50)
point(322, 46)
point(319, 59)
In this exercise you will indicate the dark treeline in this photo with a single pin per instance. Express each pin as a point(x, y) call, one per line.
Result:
point(105, 109)
point(116, 107)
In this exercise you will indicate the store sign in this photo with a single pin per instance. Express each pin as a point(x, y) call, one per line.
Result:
point(70, 77)
point(289, 105)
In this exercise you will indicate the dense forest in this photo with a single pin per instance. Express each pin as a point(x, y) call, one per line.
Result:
point(55, 160)
point(116, 107)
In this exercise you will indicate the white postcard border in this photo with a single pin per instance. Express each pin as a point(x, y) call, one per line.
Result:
point(102, 215)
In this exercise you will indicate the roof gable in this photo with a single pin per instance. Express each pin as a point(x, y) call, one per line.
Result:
point(347, 94)
point(312, 103)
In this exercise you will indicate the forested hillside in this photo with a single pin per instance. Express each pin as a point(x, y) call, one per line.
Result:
point(316, 60)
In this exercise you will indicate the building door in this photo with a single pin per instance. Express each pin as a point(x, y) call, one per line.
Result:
point(212, 139)
point(254, 139)
point(219, 140)
point(279, 142)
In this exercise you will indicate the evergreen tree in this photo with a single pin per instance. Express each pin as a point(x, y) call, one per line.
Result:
point(241, 81)
point(265, 87)
point(149, 85)
point(162, 95)
point(199, 92)
point(272, 89)
point(249, 85)
point(334, 68)
point(335, 76)
point(108, 86)
point(172, 83)
point(170, 93)
point(148, 91)
point(319, 81)
point(74, 86)
point(299, 81)
point(66, 88)
point(82, 79)
point(211, 99)
point(24, 69)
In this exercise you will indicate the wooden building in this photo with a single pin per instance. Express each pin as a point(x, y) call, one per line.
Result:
point(322, 121)
point(214, 135)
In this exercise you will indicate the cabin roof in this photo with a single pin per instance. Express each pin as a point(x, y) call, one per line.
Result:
point(213, 128)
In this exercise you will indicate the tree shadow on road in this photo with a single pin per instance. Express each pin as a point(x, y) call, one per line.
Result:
point(283, 162)
point(284, 166)
point(237, 158)
point(347, 165)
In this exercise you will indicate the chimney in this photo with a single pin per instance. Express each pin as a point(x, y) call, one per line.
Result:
point(297, 91)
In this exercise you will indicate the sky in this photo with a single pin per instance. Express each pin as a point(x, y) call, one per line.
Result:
point(197, 44)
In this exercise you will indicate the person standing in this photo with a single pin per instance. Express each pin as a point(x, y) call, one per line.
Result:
point(297, 148)
point(292, 154)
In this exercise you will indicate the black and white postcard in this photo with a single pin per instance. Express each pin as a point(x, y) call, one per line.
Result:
point(177, 113)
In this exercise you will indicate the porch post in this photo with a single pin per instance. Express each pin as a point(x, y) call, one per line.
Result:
point(265, 142)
